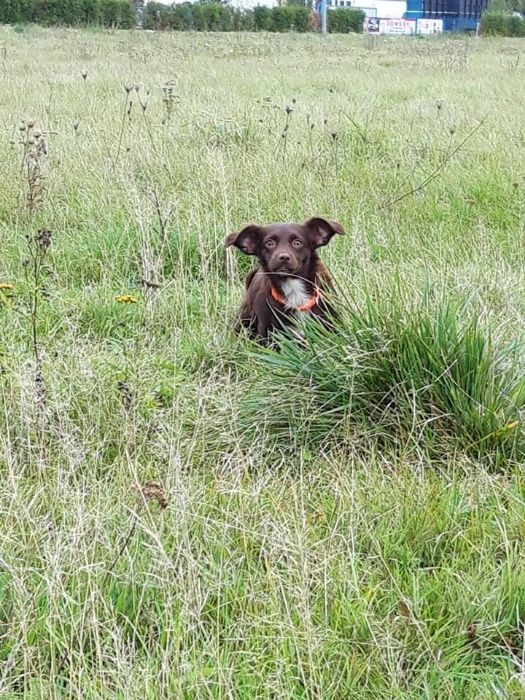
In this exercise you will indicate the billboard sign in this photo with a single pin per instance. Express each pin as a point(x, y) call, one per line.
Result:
point(429, 26)
point(372, 25)
point(397, 26)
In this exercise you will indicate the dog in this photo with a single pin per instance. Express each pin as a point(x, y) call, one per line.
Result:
point(291, 279)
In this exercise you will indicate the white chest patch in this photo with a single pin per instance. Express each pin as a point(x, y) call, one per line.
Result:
point(295, 293)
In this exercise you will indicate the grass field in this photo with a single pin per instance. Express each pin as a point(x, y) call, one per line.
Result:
point(370, 566)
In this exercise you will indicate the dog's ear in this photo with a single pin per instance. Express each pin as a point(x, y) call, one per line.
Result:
point(322, 230)
point(246, 240)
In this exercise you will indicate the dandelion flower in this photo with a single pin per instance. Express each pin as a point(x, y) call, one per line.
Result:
point(127, 299)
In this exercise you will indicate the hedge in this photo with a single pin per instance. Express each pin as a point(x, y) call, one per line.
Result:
point(110, 13)
point(345, 20)
point(499, 24)
point(211, 16)
point(216, 17)
point(262, 18)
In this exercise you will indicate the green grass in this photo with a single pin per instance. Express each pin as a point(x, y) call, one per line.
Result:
point(379, 558)
point(419, 371)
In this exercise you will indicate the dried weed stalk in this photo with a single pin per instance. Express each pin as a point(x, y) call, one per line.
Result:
point(147, 493)
point(34, 152)
point(38, 247)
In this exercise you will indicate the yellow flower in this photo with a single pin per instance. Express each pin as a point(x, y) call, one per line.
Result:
point(509, 426)
point(127, 299)
point(6, 287)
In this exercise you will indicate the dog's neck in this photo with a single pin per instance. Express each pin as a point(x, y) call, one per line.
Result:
point(295, 293)
point(295, 290)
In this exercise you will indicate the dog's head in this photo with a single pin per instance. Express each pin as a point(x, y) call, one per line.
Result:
point(286, 249)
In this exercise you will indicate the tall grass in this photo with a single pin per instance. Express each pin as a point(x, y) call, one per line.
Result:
point(403, 365)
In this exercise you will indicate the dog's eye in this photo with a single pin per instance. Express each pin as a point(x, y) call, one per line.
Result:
point(270, 243)
point(297, 243)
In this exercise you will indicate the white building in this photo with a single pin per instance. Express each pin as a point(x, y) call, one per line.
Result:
point(387, 9)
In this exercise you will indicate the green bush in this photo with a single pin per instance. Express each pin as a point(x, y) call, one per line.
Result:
point(16, 11)
point(507, 6)
point(343, 20)
point(286, 18)
point(243, 21)
point(156, 16)
point(67, 12)
point(500, 24)
point(201, 16)
point(226, 15)
point(400, 367)
point(282, 18)
point(212, 17)
point(176, 17)
point(493, 24)
point(90, 12)
point(515, 26)
point(262, 19)
point(301, 18)
point(183, 16)
point(119, 13)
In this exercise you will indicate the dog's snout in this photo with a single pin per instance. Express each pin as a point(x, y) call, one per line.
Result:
point(284, 257)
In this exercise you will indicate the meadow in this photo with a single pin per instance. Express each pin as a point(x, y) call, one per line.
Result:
point(183, 516)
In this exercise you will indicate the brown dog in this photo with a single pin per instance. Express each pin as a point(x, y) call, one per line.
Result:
point(290, 280)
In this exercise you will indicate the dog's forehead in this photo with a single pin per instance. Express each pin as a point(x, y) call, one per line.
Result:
point(284, 230)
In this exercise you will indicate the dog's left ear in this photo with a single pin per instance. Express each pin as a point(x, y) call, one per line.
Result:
point(322, 230)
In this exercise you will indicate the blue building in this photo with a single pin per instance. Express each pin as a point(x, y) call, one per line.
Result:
point(457, 15)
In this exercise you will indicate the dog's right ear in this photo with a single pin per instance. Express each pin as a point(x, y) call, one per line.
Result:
point(246, 240)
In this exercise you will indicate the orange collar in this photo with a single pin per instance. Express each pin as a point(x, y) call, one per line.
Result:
point(307, 306)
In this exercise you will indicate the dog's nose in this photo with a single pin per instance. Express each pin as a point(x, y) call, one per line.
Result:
point(283, 257)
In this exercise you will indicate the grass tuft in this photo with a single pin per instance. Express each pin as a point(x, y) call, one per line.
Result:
point(416, 369)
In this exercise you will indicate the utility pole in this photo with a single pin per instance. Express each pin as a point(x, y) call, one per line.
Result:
point(324, 18)
point(139, 13)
